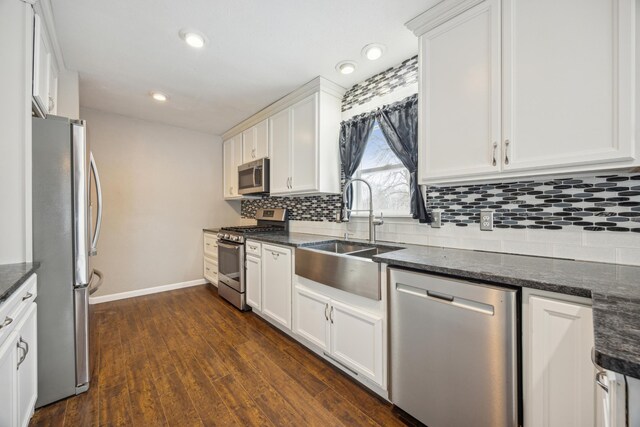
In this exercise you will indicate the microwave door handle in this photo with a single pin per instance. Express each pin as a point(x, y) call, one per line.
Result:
point(96, 233)
point(255, 171)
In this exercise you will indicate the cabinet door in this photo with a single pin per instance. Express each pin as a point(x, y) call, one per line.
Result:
point(27, 365)
point(41, 65)
point(230, 166)
point(249, 145)
point(459, 126)
point(311, 317)
point(9, 381)
point(279, 138)
point(356, 340)
point(304, 145)
point(276, 285)
point(559, 381)
point(254, 282)
point(568, 79)
point(262, 139)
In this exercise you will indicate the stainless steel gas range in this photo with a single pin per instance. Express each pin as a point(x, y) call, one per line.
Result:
point(231, 253)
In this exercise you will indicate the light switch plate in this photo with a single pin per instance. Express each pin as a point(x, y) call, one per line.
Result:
point(486, 220)
point(436, 218)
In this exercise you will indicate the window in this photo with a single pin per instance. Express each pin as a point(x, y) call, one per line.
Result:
point(389, 179)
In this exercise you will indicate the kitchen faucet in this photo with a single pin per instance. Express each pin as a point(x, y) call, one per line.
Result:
point(372, 219)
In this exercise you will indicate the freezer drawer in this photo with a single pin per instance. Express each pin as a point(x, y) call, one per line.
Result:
point(454, 358)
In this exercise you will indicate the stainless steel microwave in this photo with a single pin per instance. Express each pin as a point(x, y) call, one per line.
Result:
point(253, 177)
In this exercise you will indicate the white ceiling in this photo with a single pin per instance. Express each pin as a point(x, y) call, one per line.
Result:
point(257, 52)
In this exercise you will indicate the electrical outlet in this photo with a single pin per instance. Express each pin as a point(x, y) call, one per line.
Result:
point(486, 220)
point(436, 218)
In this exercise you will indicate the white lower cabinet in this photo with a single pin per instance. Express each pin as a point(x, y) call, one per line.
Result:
point(351, 336)
point(276, 284)
point(210, 257)
point(18, 356)
point(311, 312)
point(559, 375)
point(9, 381)
point(27, 365)
point(253, 279)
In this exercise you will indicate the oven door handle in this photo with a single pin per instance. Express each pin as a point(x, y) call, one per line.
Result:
point(233, 247)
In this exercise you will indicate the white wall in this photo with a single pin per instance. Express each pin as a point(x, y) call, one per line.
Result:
point(16, 31)
point(161, 186)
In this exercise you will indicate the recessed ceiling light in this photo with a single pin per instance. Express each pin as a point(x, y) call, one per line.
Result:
point(373, 51)
point(346, 67)
point(159, 96)
point(192, 38)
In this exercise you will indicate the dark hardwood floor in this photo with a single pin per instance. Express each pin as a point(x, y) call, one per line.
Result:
point(186, 358)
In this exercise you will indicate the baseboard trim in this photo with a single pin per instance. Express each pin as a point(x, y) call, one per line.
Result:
point(146, 291)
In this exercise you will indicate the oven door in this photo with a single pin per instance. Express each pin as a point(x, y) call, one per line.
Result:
point(231, 265)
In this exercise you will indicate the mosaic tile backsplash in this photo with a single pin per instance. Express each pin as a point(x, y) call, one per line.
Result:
point(603, 202)
point(311, 208)
point(383, 83)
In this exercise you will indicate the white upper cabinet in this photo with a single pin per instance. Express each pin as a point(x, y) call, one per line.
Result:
point(299, 133)
point(45, 70)
point(512, 88)
point(280, 136)
point(255, 142)
point(568, 82)
point(304, 140)
point(232, 158)
point(460, 95)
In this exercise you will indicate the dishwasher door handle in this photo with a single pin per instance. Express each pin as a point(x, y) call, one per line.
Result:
point(438, 295)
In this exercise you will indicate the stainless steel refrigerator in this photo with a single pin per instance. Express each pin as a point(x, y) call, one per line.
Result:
point(65, 235)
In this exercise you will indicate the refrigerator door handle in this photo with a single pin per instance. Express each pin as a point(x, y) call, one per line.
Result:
point(94, 288)
point(96, 234)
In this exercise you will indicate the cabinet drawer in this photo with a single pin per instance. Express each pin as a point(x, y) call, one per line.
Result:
point(11, 309)
point(211, 270)
point(254, 248)
point(211, 245)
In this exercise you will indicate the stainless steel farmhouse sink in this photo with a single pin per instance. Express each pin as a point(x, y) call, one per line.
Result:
point(343, 265)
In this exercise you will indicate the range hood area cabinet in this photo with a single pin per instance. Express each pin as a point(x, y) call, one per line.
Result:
point(500, 99)
point(299, 133)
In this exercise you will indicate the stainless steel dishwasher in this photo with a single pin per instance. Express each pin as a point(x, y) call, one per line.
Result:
point(454, 350)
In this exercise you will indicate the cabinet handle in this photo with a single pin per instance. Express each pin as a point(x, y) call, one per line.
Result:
point(331, 314)
point(27, 296)
point(7, 321)
point(253, 248)
point(506, 151)
point(495, 147)
point(276, 255)
point(599, 381)
point(326, 307)
point(26, 351)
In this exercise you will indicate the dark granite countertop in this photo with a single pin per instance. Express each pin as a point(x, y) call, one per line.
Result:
point(614, 289)
point(14, 275)
point(291, 239)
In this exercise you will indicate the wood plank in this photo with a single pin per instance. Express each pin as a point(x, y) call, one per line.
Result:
point(240, 402)
point(50, 415)
point(176, 404)
point(115, 406)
